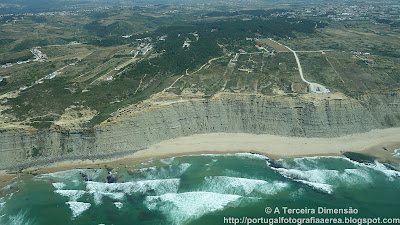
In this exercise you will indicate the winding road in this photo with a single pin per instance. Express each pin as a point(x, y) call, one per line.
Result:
point(314, 87)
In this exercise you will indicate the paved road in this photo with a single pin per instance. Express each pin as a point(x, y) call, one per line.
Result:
point(314, 87)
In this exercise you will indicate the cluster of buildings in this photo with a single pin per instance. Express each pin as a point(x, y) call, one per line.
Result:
point(9, 19)
point(6, 65)
point(187, 42)
point(40, 81)
point(349, 11)
point(370, 61)
point(366, 60)
point(38, 54)
point(162, 38)
point(345, 11)
point(19, 62)
point(143, 48)
point(51, 75)
point(360, 53)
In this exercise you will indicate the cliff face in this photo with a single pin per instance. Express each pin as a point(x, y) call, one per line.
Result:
point(231, 113)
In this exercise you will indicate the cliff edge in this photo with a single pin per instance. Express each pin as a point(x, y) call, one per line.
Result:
point(163, 118)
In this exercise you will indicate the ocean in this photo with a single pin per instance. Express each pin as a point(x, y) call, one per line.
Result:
point(206, 189)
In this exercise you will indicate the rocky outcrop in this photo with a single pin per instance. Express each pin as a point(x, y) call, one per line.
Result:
point(305, 116)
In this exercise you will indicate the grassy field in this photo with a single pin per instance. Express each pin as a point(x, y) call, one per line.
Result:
point(213, 63)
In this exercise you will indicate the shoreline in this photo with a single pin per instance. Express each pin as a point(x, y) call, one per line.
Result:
point(378, 143)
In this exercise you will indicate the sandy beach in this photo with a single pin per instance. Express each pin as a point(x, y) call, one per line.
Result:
point(378, 143)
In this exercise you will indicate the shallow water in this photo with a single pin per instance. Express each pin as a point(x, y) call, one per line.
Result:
point(201, 190)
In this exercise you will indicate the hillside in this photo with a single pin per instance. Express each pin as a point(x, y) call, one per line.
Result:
point(121, 79)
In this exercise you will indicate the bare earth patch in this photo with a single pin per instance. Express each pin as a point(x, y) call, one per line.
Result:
point(76, 117)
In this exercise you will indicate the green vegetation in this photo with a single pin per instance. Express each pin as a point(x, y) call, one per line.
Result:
point(29, 43)
point(3, 82)
point(208, 63)
point(13, 58)
point(176, 59)
point(41, 125)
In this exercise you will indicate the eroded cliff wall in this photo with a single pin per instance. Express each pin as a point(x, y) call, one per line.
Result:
point(305, 116)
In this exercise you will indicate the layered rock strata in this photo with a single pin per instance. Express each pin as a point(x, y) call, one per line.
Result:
point(303, 116)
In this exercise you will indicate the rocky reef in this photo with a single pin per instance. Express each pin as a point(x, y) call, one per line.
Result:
point(307, 115)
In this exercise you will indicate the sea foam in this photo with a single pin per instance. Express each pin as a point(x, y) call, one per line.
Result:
point(59, 185)
point(117, 191)
point(98, 196)
point(59, 175)
point(319, 186)
point(167, 160)
point(324, 179)
point(251, 156)
point(118, 205)
point(181, 208)
point(379, 167)
point(89, 174)
point(73, 195)
point(161, 186)
point(78, 208)
point(396, 153)
point(242, 186)
point(19, 219)
point(171, 171)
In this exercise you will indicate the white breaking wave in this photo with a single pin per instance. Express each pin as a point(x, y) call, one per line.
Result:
point(242, 186)
point(19, 219)
point(161, 186)
point(73, 195)
point(2, 204)
point(78, 208)
point(252, 156)
point(307, 163)
point(307, 170)
point(59, 185)
point(59, 175)
point(167, 160)
point(90, 174)
point(382, 168)
point(357, 176)
point(316, 179)
point(172, 171)
point(319, 186)
point(181, 208)
point(98, 196)
point(118, 205)
point(377, 166)
point(396, 153)
point(326, 180)
point(117, 191)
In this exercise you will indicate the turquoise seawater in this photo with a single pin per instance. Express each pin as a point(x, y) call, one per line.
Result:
point(204, 189)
